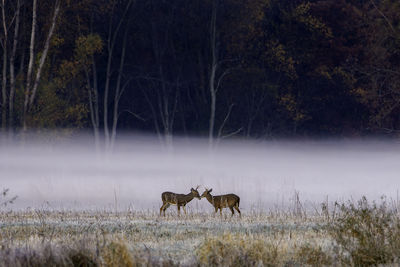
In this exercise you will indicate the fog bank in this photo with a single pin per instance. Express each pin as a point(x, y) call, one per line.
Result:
point(264, 174)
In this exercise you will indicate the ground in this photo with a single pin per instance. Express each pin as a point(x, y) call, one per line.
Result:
point(184, 240)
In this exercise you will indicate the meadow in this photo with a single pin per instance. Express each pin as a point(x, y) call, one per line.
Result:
point(360, 233)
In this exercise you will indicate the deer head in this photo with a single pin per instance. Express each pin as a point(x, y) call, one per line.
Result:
point(195, 193)
point(206, 193)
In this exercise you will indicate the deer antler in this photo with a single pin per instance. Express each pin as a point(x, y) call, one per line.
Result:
point(197, 187)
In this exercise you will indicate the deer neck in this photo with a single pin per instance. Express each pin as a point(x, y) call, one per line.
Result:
point(189, 197)
point(210, 198)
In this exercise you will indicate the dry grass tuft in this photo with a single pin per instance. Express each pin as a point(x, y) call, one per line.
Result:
point(235, 250)
point(312, 256)
point(116, 253)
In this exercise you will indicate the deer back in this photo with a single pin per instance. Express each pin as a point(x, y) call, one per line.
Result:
point(224, 201)
point(174, 198)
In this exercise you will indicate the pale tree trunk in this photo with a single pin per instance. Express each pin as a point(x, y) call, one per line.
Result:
point(118, 91)
point(12, 73)
point(168, 112)
point(106, 89)
point(30, 94)
point(44, 53)
point(215, 81)
point(154, 114)
point(166, 107)
point(4, 73)
point(111, 40)
point(94, 104)
point(163, 104)
point(213, 70)
point(93, 94)
point(30, 65)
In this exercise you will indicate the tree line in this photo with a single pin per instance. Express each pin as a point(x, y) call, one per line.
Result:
point(215, 68)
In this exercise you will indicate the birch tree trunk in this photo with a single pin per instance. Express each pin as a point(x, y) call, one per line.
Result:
point(44, 53)
point(167, 95)
point(215, 80)
point(30, 94)
point(111, 40)
point(213, 70)
point(4, 72)
point(12, 73)
point(30, 64)
point(118, 91)
point(110, 48)
point(94, 104)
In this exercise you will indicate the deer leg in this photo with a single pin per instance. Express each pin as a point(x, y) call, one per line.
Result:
point(184, 209)
point(166, 207)
point(162, 208)
point(220, 211)
point(233, 212)
point(237, 208)
point(179, 210)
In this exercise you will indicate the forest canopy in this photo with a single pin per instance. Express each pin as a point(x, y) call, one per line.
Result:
point(221, 68)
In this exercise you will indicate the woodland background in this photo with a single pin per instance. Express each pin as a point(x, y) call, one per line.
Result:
point(221, 68)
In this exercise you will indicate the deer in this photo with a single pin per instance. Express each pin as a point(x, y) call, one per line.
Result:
point(169, 198)
point(223, 201)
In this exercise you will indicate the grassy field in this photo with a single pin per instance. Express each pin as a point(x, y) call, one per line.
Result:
point(350, 234)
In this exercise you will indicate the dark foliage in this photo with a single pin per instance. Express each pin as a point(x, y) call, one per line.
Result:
point(284, 68)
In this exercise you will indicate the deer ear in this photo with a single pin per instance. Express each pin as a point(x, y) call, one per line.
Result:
point(209, 190)
point(192, 189)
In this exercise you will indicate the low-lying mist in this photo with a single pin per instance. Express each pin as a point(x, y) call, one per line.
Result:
point(72, 175)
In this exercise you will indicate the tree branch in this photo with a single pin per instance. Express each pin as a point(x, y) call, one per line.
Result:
point(225, 120)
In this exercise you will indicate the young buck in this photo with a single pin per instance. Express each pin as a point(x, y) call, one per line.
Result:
point(224, 201)
point(169, 198)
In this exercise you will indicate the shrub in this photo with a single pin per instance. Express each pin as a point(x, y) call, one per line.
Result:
point(82, 258)
point(47, 256)
point(366, 234)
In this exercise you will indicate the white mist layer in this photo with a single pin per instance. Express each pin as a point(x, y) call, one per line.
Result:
point(265, 175)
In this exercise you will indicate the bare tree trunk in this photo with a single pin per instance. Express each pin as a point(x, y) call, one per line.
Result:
point(118, 90)
point(12, 73)
point(214, 65)
point(31, 94)
point(30, 65)
point(105, 100)
point(94, 105)
point(154, 113)
point(112, 36)
point(44, 53)
point(93, 93)
point(21, 71)
point(4, 73)
point(165, 108)
point(214, 81)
